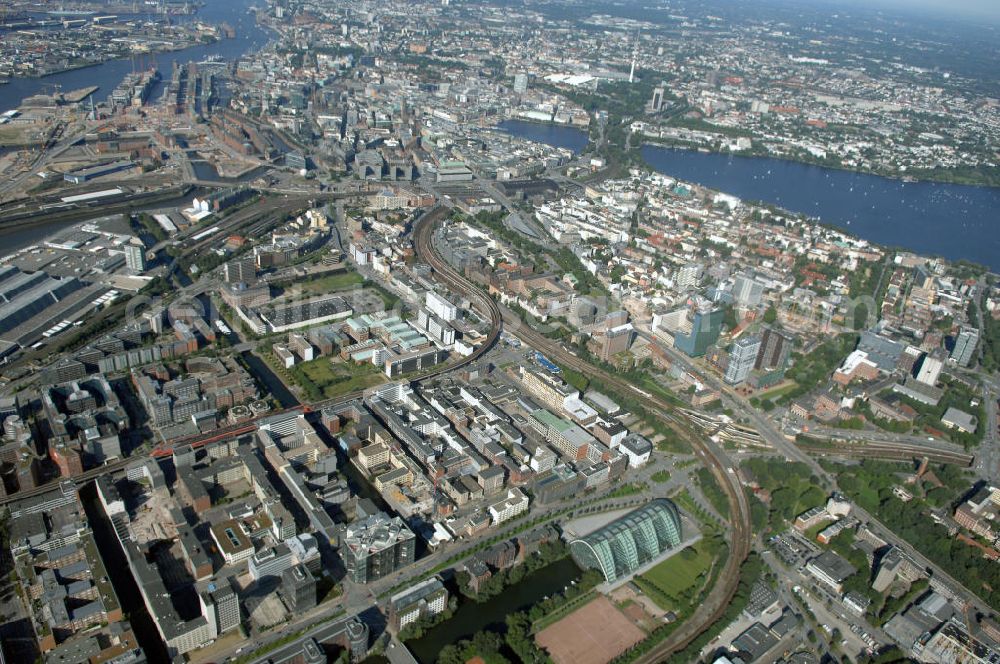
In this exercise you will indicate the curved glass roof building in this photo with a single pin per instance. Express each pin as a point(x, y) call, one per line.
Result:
point(631, 541)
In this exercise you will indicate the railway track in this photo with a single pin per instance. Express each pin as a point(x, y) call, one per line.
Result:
point(486, 305)
point(715, 604)
point(889, 450)
point(79, 480)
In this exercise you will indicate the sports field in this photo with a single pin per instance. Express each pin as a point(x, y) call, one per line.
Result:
point(595, 633)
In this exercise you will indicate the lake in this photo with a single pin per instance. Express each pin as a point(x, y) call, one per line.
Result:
point(954, 221)
point(559, 136)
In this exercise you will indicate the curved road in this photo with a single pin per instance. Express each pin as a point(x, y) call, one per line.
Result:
point(710, 454)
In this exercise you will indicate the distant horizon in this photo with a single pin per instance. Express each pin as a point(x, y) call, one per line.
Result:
point(977, 9)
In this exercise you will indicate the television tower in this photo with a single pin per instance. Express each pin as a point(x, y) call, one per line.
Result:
point(635, 55)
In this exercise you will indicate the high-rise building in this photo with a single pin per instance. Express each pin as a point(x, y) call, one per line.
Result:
point(616, 340)
point(688, 275)
point(241, 270)
point(270, 561)
point(774, 349)
point(376, 547)
point(357, 633)
point(747, 291)
point(135, 256)
point(296, 161)
point(930, 368)
point(742, 356)
point(706, 325)
point(520, 83)
point(440, 306)
point(299, 588)
point(221, 606)
point(631, 541)
point(657, 103)
point(965, 345)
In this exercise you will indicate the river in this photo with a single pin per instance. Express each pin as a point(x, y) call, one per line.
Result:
point(109, 74)
point(957, 222)
point(472, 617)
point(249, 36)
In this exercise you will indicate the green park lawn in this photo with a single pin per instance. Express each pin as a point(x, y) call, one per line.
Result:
point(330, 283)
point(673, 582)
point(323, 379)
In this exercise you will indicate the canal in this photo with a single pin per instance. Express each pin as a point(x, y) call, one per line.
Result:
point(271, 383)
point(472, 617)
point(357, 483)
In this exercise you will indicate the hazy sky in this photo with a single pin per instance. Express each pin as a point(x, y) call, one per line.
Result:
point(977, 8)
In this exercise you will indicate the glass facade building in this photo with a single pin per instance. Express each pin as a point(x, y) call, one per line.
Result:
point(705, 330)
point(631, 541)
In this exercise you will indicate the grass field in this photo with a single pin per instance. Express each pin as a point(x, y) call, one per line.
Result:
point(660, 476)
point(777, 390)
point(330, 283)
point(672, 582)
point(563, 611)
point(322, 378)
point(811, 533)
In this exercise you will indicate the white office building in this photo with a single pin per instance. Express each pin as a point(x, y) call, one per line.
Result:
point(440, 307)
point(742, 356)
point(515, 503)
point(747, 291)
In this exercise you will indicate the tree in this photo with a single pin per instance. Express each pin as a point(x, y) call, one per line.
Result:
point(783, 502)
point(771, 315)
point(729, 317)
point(859, 317)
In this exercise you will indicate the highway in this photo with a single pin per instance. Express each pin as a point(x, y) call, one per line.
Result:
point(708, 452)
point(860, 436)
point(988, 457)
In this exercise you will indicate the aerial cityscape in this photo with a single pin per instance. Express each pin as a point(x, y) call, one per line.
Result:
point(499, 331)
